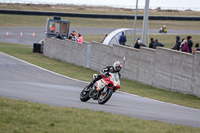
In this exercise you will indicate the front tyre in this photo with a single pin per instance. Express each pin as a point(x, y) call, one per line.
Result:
point(84, 96)
point(105, 96)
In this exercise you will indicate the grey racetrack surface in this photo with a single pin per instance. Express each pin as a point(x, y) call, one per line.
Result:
point(23, 81)
point(27, 39)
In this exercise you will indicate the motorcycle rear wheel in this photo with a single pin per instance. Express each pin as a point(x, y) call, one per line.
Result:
point(84, 96)
point(105, 96)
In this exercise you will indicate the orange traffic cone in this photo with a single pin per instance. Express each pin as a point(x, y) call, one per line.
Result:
point(33, 34)
point(7, 34)
point(21, 34)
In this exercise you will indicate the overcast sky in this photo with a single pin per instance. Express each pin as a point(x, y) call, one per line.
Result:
point(132, 3)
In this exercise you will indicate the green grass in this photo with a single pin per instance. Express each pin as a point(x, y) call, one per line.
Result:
point(86, 75)
point(25, 117)
point(40, 21)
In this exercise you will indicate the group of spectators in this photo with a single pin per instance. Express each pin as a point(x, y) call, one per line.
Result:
point(73, 36)
point(153, 44)
point(185, 45)
point(122, 40)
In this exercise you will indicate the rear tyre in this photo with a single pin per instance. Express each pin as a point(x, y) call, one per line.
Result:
point(84, 96)
point(105, 96)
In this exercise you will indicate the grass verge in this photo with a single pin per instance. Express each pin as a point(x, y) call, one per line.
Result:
point(86, 75)
point(40, 21)
point(25, 117)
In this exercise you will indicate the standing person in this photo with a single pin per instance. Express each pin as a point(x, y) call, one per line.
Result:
point(197, 48)
point(74, 38)
point(74, 33)
point(70, 36)
point(58, 36)
point(104, 38)
point(53, 28)
point(151, 43)
point(139, 44)
point(178, 43)
point(122, 39)
point(190, 43)
point(136, 43)
point(181, 44)
point(185, 47)
point(157, 44)
point(80, 38)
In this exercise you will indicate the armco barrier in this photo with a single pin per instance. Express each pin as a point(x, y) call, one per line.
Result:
point(110, 16)
point(163, 68)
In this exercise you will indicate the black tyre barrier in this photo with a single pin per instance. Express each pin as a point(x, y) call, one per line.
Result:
point(111, 16)
point(37, 48)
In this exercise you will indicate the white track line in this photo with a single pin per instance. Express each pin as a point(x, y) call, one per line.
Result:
point(42, 68)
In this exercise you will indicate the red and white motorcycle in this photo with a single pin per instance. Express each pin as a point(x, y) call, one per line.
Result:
point(102, 89)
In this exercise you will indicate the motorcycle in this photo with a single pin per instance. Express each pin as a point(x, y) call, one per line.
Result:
point(163, 30)
point(102, 89)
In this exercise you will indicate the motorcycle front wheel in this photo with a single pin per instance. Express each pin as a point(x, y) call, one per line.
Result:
point(84, 96)
point(105, 96)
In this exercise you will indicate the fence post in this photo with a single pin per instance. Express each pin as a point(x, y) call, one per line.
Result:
point(88, 56)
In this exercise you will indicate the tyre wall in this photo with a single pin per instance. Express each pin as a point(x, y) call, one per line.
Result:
point(163, 68)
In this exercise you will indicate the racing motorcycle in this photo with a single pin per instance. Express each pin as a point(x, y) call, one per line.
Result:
point(102, 89)
point(163, 30)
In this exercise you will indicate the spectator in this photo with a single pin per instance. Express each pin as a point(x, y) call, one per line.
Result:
point(181, 44)
point(178, 43)
point(74, 33)
point(136, 42)
point(139, 43)
point(104, 38)
point(190, 43)
point(70, 36)
point(151, 43)
point(80, 39)
point(74, 38)
point(197, 48)
point(122, 39)
point(58, 36)
point(185, 47)
point(53, 28)
point(157, 44)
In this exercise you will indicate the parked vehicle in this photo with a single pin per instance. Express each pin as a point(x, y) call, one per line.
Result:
point(102, 89)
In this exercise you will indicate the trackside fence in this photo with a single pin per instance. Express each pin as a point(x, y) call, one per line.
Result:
point(163, 68)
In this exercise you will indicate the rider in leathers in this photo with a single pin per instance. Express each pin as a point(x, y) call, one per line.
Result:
point(105, 72)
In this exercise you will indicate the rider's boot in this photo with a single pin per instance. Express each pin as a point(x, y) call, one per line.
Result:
point(94, 80)
point(92, 83)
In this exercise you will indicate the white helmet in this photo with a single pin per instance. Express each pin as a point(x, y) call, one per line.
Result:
point(117, 66)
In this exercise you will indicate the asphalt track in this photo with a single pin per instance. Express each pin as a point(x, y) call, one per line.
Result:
point(27, 39)
point(23, 81)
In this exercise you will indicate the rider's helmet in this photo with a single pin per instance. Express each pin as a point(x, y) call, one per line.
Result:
point(117, 66)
